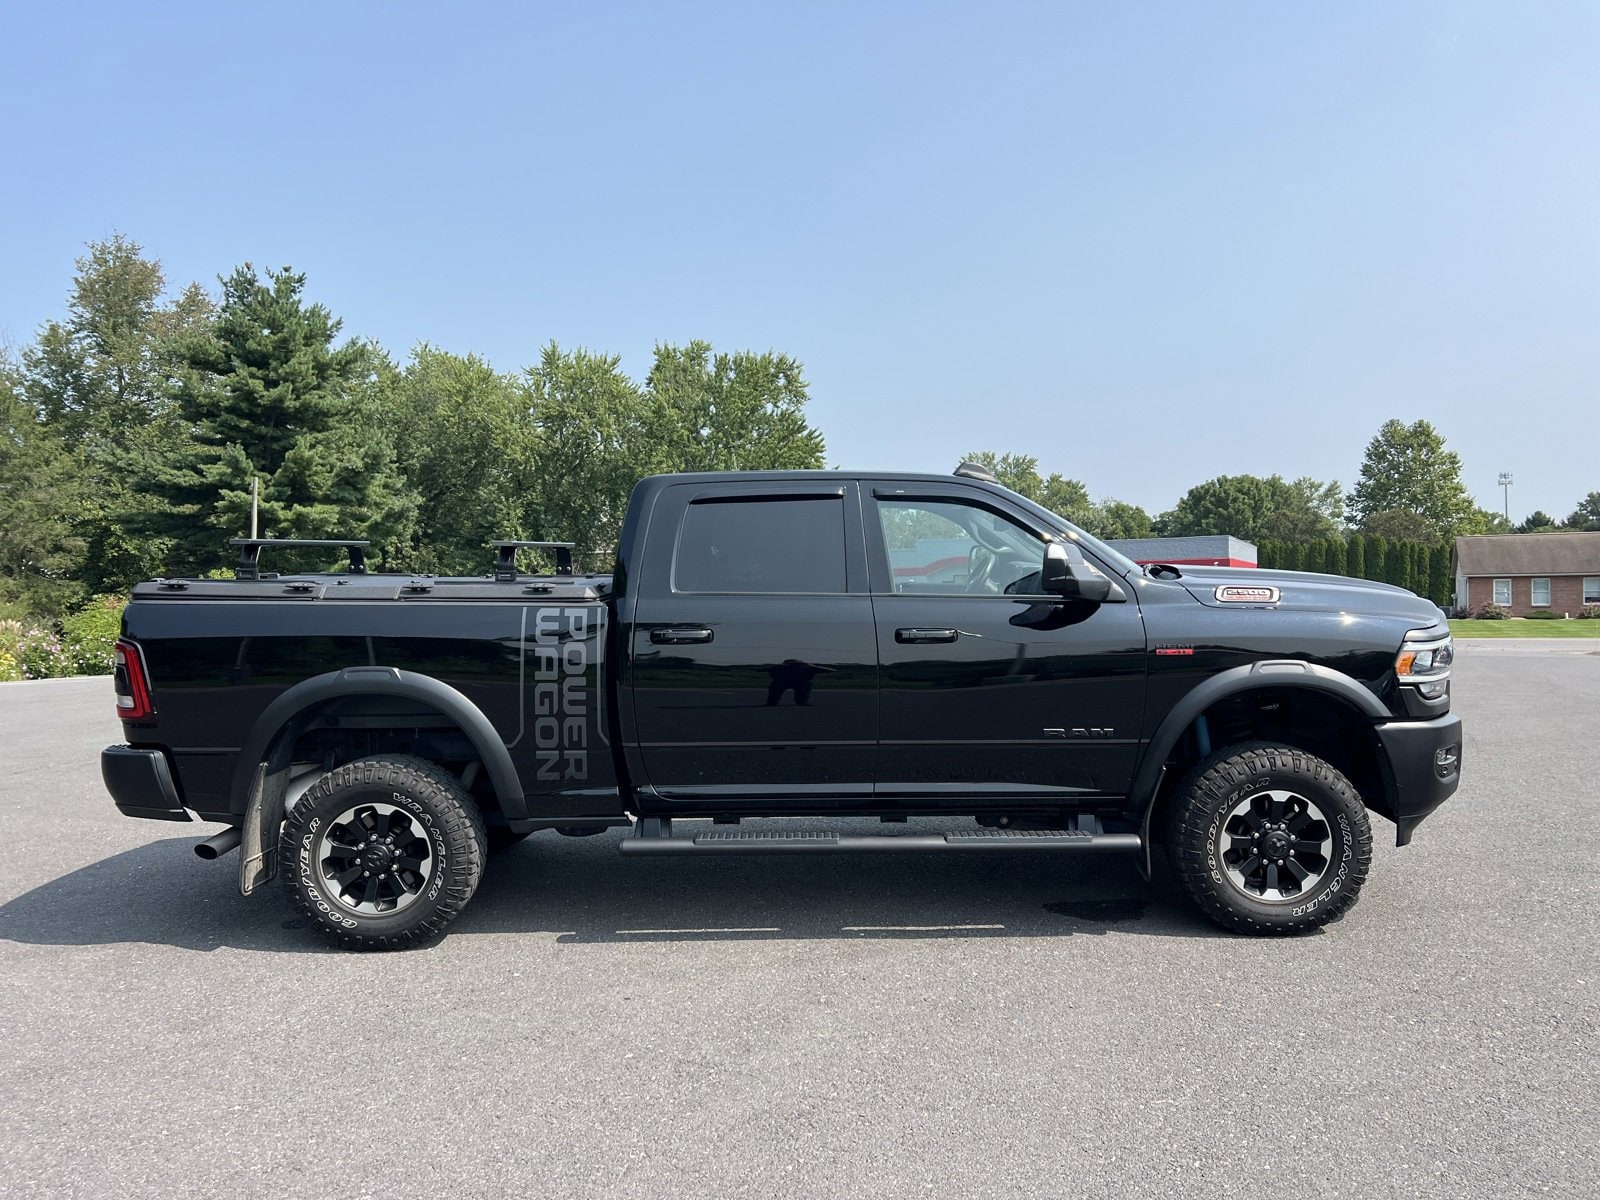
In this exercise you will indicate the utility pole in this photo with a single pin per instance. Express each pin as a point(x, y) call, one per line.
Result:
point(255, 499)
point(1505, 486)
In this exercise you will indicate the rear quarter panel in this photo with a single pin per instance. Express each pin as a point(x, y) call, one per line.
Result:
point(536, 671)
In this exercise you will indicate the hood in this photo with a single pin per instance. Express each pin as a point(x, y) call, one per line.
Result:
point(1303, 591)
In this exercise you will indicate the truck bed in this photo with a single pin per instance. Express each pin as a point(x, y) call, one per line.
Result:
point(530, 653)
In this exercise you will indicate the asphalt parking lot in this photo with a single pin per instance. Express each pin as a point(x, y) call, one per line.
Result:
point(917, 1026)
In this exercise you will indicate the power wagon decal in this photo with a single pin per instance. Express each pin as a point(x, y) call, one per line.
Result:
point(565, 643)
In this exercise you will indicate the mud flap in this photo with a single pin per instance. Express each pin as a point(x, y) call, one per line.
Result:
point(263, 818)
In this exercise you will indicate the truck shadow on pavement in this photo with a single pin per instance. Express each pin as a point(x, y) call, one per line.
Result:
point(586, 893)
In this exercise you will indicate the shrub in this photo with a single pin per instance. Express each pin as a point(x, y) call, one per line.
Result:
point(1492, 612)
point(10, 636)
point(1589, 612)
point(89, 635)
point(41, 655)
point(12, 613)
point(1545, 614)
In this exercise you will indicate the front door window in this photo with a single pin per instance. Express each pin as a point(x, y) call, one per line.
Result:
point(946, 548)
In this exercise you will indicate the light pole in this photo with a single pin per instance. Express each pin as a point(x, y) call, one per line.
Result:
point(1505, 485)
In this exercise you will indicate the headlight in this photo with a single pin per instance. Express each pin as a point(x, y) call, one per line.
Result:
point(1426, 666)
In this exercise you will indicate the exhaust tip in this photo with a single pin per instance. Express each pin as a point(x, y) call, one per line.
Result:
point(215, 847)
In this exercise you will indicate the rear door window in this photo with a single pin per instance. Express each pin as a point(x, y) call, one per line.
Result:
point(768, 544)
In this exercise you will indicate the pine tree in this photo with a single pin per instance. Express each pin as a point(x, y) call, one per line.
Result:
point(41, 495)
point(1397, 568)
point(1439, 575)
point(1355, 556)
point(1377, 558)
point(1335, 562)
point(269, 397)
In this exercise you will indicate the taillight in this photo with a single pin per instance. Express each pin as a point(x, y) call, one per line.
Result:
point(132, 684)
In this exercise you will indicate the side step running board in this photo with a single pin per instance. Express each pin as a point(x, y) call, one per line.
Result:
point(735, 842)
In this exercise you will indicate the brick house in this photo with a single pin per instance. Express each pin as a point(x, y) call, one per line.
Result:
point(1525, 572)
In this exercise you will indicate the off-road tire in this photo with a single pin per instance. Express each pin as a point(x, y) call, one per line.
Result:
point(1238, 776)
point(439, 811)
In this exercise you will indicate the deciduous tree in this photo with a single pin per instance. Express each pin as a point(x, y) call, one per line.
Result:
point(1407, 467)
point(1256, 509)
point(1116, 519)
point(465, 444)
point(1067, 498)
point(593, 442)
point(730, 412)
point(1402, 525)
point(102, 380)
point(1587, 515)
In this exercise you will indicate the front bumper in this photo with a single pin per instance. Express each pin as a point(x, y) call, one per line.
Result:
point(141, 783)
point(1422, 765)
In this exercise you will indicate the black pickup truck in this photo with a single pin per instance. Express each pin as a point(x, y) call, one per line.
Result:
point(800, 645)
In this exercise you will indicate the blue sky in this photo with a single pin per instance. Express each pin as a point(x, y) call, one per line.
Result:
point(1147, 243)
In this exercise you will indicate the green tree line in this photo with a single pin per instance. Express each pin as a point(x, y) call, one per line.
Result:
point(1421, 567)
point(133, 428)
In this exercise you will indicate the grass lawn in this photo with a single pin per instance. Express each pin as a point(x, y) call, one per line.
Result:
point(1522, 627)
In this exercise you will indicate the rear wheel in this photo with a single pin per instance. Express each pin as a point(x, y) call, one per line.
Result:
point(384, 853)
point(1269, 839)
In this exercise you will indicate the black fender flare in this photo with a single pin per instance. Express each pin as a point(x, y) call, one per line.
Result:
point(261, 774)
point(1268, 673)
point(267, 743)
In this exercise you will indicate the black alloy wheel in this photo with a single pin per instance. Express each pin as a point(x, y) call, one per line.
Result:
point(1269, 839)
point(382, 854)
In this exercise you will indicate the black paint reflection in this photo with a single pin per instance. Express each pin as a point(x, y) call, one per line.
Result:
point(795, 676)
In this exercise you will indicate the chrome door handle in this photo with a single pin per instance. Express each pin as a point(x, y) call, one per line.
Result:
point(919, 637)
point(680, 637)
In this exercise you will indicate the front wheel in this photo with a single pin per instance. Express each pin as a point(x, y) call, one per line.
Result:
point(1269, 839)
point(382, 854)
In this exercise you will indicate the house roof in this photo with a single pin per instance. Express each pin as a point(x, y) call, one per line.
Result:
point(1529, 554)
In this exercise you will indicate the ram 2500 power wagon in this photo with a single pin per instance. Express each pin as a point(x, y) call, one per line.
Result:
point(800, 645)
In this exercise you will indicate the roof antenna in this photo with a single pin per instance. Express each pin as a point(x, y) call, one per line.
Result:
point(974, 470)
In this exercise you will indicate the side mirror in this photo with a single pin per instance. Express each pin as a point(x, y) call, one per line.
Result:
point(1064, 573)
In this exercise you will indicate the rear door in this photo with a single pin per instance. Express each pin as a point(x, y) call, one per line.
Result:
point(753, 659)
point(991, 689)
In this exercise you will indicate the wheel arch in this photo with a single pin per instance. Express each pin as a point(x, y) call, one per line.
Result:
point(260, 777)
point(272, 737)
point(1354, 706)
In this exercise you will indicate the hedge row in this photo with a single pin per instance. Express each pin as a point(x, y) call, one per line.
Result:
point(1421, 567)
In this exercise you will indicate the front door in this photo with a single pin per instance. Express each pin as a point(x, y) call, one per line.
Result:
point(989, 688)
point(753, 672)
